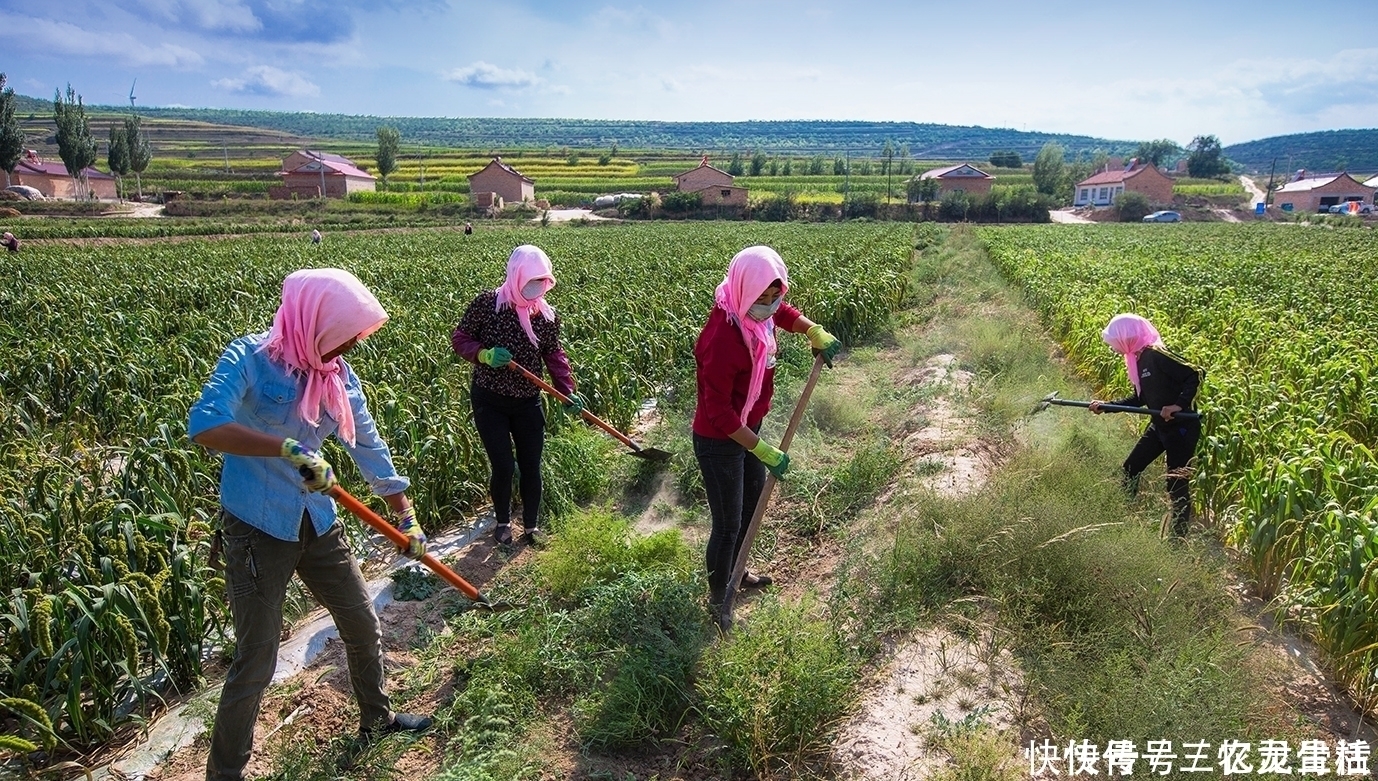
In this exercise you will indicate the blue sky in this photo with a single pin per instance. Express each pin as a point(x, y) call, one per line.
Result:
point(1163, 68)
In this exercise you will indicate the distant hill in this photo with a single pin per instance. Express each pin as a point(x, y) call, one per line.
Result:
point(1329, 150)
point(925, 141)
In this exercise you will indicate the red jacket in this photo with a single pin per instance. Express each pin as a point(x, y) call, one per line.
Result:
point(724, 374)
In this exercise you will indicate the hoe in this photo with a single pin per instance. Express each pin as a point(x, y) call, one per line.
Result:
point(1052, 398)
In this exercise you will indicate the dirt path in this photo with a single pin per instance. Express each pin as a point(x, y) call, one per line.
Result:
point(1226, 215)
point(565, 215)
point(1256, 195)
point(1068, 217)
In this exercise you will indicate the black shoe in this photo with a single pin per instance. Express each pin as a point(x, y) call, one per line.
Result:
point(401, 722)
point(503, 533)
point(756, 581)
point(535, 537)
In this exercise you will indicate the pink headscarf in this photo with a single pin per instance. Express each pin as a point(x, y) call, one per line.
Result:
point(750, 273)
point(1127, 335)
point(527, 262)
point(322, 308)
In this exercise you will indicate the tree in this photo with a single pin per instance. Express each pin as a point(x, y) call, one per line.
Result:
point(758, 163)
point(1157, 153)
point(789, 166)
point(75, 145)
point(140, 151)
point(389, 147)
point(734, 166)
point(1006, 159)
point(1207, 159)
point(839, 166)
point(118, 156)
point(923, 190)
point(11, 137)
point(1132, 206)
point(1049, 170)
point(816, 165)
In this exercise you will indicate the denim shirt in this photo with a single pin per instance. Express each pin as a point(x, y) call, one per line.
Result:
point(249, 388)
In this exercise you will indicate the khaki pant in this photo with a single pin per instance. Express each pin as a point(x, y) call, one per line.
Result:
point(258, 568)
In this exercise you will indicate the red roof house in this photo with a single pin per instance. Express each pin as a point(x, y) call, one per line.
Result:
point(328, 175)
point(53, 181)
point(502, 179)
point(1103, 188)
point(961, 178)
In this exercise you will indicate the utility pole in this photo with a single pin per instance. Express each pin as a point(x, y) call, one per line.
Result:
point(1268, 194)
point(225, 144)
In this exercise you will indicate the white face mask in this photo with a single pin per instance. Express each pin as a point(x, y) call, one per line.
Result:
point(534, 289)
point(763, 312)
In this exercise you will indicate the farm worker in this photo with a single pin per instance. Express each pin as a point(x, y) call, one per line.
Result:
point(735, 358)
point(315, 236)
point(468, 229)
point(269, 404)
point(10, 242)
point(1163, 381)
point(514, 322)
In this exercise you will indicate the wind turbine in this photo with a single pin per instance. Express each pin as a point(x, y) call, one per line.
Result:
point(131, 94)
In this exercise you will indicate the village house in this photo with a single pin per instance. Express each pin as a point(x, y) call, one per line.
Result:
point(961, 178)
point(1374, 184)
point(1103, 188)
point(308, 174)
point(498, 182)
point(53, 181)
point(1317, 193)
point(713, 185)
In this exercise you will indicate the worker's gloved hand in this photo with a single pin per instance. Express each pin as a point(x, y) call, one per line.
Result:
point(496, 357)
point(577, 404)
point(406, 523)
point(824, 342)
point(775, 459)
point(315, 471)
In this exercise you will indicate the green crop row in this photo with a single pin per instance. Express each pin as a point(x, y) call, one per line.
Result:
point(1285, 323)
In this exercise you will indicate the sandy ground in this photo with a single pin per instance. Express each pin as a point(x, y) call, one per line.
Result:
point(1068, 217)
point(1256, 195)
point(565, 215)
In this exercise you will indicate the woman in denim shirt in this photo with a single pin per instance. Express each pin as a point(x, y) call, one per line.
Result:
point(269, 405)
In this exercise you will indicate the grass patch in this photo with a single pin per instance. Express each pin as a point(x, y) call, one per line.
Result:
point(776, 688)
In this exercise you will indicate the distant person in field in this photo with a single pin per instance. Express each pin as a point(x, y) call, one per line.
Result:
point(468, 229)
point(315, 236)
point(515, 323)
point(1163, 381)
point(735, 357)
point(268, 406)
point(10, 242)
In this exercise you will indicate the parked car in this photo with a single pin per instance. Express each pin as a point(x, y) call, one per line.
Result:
point(1163, 216)
point(1343, 208)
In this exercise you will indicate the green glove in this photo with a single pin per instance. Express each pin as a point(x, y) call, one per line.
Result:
point(775, 459)
point(315, 471)
point(577, 404)
point(406, 523)
point(823, 342)
point(496, 357)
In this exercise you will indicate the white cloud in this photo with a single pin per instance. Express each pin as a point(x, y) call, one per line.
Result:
point(49, 37)
point(269, 81)
point(484, 75)
point(216, 15)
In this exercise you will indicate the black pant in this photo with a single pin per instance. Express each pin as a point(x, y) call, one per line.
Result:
point(733, 479)
point(503, 421)
point(1178, 440)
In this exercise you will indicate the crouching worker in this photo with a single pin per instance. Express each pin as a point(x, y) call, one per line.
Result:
point(1163, 381)
point(269, 404)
